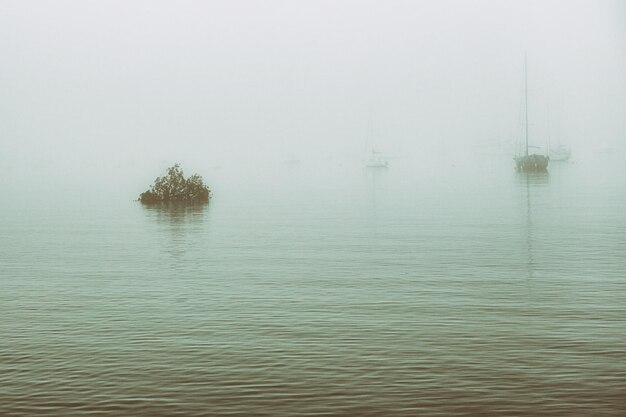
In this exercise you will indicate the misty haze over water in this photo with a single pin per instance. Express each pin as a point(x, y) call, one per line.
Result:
point(445, 284)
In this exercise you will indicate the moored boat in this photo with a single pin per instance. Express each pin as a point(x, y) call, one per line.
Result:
point(529, 162)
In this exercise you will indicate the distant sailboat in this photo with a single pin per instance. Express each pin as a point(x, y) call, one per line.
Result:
point(560, 153)
point(291, 160)
point(375, 159)
point(529, 162)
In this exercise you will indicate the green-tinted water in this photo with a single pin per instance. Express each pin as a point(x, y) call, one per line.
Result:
point(380, 293)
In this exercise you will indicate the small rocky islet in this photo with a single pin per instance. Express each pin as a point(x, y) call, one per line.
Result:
point(175, 188)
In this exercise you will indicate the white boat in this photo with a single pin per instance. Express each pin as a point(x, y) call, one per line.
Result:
point(373, 158)
point(291, 160)
point(561, 153)
point(376, 160)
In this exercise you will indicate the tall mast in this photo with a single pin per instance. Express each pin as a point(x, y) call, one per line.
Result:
point(526, 100)
point(368, 132)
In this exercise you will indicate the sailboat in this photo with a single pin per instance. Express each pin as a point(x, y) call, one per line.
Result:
point(560, 153)
point(529, 162)
point(375, 159)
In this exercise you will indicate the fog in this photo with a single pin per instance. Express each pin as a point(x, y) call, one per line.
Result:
point(106, 95)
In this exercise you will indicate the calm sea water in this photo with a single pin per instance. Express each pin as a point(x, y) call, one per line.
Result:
point(403, 292)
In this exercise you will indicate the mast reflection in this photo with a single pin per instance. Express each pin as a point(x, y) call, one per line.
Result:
point(531, 180)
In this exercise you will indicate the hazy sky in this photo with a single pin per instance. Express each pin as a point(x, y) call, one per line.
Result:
point(92, 87)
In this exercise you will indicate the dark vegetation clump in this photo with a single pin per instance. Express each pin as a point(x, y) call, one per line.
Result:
point(174, 188)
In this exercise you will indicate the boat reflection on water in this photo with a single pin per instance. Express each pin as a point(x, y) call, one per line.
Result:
point(531, 180)
point(377, 186)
